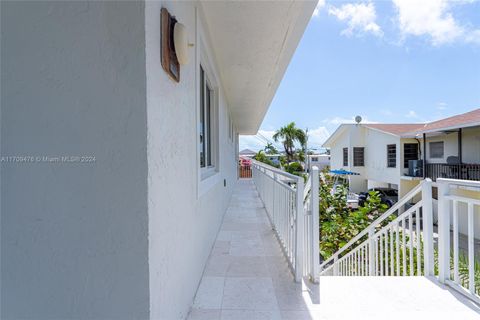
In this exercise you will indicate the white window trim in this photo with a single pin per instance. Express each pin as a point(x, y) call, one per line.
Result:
point(430, 150)
point(207, 177)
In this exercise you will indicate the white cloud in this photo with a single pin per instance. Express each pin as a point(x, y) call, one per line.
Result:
point(433, 18)
point(412, 114)
point(320, 5)
point(441, 106)
point(360, 18)
point(316, 137)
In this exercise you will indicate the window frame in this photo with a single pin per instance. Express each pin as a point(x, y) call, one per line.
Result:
point(207, 123)
point(355, 159)
point(345, 157)
point(405, 160)
point(212, 163)
point(392, 162)
point(430, 143)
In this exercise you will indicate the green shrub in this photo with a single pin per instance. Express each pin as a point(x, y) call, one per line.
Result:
point(339, 224)
point(294, 168)
point(262, 157)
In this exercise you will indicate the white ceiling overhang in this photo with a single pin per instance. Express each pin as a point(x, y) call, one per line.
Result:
point(253, 42)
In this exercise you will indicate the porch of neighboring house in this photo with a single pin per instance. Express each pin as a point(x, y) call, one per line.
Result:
point(248, 277)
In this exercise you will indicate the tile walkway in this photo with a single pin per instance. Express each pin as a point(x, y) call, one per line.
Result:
point(247, 278)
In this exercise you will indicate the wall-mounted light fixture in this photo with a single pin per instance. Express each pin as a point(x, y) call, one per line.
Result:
point(168, 55)
point(180, 40)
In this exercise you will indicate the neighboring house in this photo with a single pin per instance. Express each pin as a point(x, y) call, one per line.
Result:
point(319, 160)
point(380, 153)
point(127, 235)
point(367, 149)
point(247, 153)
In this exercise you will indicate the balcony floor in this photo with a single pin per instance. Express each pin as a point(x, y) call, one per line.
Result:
point(247, 277)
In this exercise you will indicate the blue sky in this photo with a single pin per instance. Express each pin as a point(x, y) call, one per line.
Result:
point(392, 61)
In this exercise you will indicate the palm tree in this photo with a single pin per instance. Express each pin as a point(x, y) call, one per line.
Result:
point(289, 135)
point(270, 149)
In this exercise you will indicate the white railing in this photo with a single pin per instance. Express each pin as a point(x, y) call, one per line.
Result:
point(454, 196)
point(311, 224)
point(283, 195)
point(402, 244)
point(397, 243)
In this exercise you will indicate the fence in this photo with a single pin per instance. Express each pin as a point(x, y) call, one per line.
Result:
point(293, 213)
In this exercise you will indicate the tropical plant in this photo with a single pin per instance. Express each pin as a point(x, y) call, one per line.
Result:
point(339, 224)
point(290, 134)
point(262, 157)
point(270, 149)
point(294, 168)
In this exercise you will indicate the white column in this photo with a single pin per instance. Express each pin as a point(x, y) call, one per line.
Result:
point(443, 232)
point(299, 228)
point(315, 224)
point(428, 226)
point(371, 252)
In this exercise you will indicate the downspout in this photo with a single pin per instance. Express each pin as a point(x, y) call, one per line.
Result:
point(420, 153)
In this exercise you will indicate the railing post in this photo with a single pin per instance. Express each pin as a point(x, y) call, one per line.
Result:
point(371, 252)
point(427, 203)
point(314, 192)
point(335, 266)
point(274, 216)
point(299, 222)
point(443, 232)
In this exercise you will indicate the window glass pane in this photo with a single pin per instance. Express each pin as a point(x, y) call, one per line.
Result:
point(391, 155)
point(410, 152)
point(358, 157)
point(345, 156)
point(208, 117)
point(436, 149)
point(202, 118)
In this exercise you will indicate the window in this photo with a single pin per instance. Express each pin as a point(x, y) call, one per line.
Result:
point(207, 149)
point(436, 149)
point(410, 152)
point(345, 157)
point(391, 155)
point(358, 156)
point(314, 159)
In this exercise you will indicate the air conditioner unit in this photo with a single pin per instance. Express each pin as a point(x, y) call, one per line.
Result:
point(415, 168)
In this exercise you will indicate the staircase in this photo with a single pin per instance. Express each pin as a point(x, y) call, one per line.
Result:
point(403, 243)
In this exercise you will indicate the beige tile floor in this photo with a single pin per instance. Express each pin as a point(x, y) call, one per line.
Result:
point(246, 277)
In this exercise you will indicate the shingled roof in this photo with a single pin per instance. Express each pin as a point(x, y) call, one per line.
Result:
point(468, 119)
point(395, 128)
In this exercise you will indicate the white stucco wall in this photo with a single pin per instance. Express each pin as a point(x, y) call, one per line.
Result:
point(74, 235)
point(471, 145)
point(184, 215)
point(376, 153)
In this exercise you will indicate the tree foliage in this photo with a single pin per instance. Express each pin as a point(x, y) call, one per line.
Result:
point(270, 149)
point(290, 134)
point(339, 224)
point(262, 157)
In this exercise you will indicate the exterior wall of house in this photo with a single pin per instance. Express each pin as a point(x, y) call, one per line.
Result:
point(184, 210)
point(336, 151)
point(376, 153)
point(375, 172)
point(450, 146)
point(126, 236)
point(471, 145)
point(323, 161)
point(74, 241)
